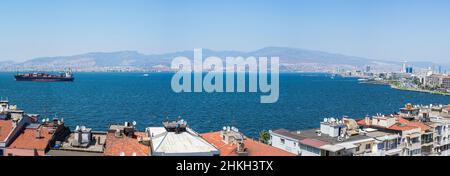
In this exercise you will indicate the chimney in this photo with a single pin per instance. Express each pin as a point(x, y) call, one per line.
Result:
point(241, 150)
point(38, 134)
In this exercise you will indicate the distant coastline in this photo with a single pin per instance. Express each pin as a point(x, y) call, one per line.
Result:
point(405, 89)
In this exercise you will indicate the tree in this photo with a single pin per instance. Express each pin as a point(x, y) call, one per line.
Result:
point(264, 137)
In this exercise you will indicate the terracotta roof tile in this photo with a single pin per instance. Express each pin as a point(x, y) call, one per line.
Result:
point(401, 127)
point(28, 139)
point(5, 129)
point(127, 145)
point(420, 125)
point(254, 148)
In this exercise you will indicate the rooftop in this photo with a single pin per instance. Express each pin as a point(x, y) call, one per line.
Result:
point(254, 148)
point(33, 138)
point(125, 145)
point(184, 143)
point(96, 145)
point(420, 125)
point(400, 125)
point(312, 134)
point(287, 133)
point(5, 128)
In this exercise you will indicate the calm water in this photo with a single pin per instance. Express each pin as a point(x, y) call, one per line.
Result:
point(100, 99)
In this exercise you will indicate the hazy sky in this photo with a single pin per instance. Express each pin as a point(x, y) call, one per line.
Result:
point(378, 29)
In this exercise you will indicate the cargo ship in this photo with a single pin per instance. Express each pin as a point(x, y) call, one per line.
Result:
point(45, 77)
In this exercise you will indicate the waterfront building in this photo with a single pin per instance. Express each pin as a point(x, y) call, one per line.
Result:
point(386, 144)
point(12, 121)
point(409, 111)
point(36, 139)
point(124, 140)
point(437, 117)
point(81, 142)
point(175, 138)
point(231, 142)
point(410, 133)
point(446, 84)
point(434, 81)
point(286, 140)
point(333, 138)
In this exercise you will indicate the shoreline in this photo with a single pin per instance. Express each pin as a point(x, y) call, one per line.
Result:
point(406, 89)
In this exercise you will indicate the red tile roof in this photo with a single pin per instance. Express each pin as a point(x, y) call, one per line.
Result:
point(362, 122)
point(127, 145)
point(5, 129)
point(420, 125)
point(401, 125)
point(28, 139)
point(254, 148)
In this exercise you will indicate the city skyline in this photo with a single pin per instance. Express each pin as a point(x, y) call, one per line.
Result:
point(393, 31)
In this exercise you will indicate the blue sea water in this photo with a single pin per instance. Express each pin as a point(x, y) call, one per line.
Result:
point(100, 99)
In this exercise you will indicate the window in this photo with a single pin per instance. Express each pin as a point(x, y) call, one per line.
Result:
point(357, 149)
point(415, 152)
point(310, 149)
point(283, 141)
point(368, 146)
point(380, 146)
point(1, 152)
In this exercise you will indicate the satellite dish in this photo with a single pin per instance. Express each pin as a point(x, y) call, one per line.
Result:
point(134, 123)
point(224, 128)
point(43, 120)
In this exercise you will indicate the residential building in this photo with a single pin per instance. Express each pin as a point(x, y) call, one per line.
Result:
point(124, 140)
point(12, 121)
point(333, 138)
point(409, 132)
point(386, 144)
point(177, 139)
point(37, 139)
point(82, 142)
point(434, 81)
point(446, 83)
point(231, 142)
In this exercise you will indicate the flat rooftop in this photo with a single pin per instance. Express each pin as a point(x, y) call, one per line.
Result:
point(96, 146)
point(184, 143)
point(311, 134)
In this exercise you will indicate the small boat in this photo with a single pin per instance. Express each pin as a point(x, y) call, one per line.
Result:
point(362, 79)
point(146, 75)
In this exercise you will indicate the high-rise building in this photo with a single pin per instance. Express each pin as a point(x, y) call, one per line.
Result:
point(367, 69)
point(409, 69)
point(404, 67)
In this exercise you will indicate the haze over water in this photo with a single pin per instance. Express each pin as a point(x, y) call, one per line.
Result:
point(100, 99)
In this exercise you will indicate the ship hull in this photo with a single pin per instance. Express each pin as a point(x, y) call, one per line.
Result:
point(44, 79)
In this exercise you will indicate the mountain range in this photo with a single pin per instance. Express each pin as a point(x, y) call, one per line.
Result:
point(291, 59)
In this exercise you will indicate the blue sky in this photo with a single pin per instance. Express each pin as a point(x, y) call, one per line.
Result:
point(378, 29)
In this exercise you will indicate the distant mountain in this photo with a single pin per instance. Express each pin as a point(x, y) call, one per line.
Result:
point(290, 58)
